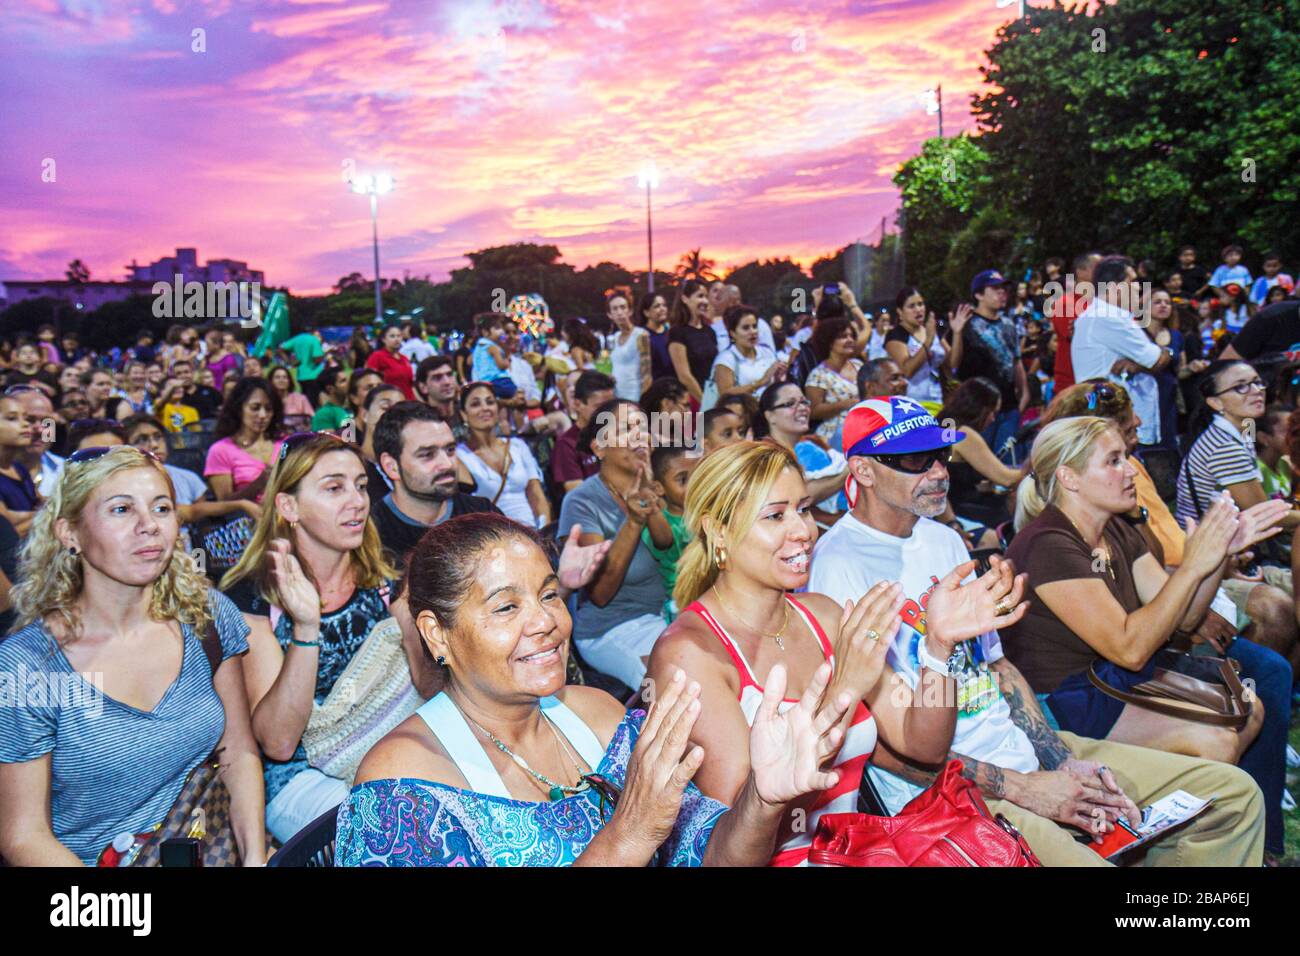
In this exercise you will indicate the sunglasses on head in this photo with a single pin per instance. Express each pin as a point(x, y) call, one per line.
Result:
point(917, 462)
point(83, 455)
point(298, 439)
point(19, 389)
point(1099, 393)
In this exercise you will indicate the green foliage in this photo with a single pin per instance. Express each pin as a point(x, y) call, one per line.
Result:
point(1137, 127)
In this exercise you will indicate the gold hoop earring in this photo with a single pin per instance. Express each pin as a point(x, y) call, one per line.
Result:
point(720, 557)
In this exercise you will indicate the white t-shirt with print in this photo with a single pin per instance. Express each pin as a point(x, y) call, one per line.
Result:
point(852, 557)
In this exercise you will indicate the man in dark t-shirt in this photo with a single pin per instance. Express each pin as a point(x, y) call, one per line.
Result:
point(991, 349)
point(1271, 330)
point(569, 466)
point(417, 452)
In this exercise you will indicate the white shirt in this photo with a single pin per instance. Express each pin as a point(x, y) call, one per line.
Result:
point(1105, 333)
point(513, 501)
point(521, 373)
point(852, 557)
point(417, 350)
point(745, 370)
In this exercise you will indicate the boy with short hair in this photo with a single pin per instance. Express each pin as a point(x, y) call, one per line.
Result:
point(722, 427)
point(1273, 275)
point(665, 533)
point(1231, 271)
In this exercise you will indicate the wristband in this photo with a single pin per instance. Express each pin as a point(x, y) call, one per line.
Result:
point(297, 643)
point(930, 662)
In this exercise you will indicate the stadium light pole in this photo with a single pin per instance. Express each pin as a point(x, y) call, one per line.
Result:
point(648, 178)
point(374, 187)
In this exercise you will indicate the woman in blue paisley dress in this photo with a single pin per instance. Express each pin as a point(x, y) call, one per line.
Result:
point(311, 584)
point(508, 766)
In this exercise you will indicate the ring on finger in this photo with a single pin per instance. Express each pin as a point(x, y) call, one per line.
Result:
point(1001, 607)
point(873, 634)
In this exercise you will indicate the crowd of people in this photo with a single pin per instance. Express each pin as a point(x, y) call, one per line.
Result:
point(666, 588)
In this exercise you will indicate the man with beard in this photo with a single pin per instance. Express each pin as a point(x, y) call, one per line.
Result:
point(1050, 785)
point(417, 451)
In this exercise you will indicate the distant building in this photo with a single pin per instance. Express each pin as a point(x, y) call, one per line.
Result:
point(90, 295)
point(186, 264)
point(85, 296)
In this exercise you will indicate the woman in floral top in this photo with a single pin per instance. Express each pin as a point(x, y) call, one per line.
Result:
point(832, 386)
point(508, 766)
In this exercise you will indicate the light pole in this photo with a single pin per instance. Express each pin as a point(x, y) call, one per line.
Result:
point(934, 105)
point(1020, 5)
point(649, 178)
point(374, 187)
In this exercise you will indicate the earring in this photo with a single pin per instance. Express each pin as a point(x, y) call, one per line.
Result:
point(720, 557)
point(73, 550)
point(440, 661)
point(293, 526)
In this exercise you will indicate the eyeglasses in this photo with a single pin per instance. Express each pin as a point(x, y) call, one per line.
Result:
point(795, 403)
point(1243, 388)
point(915, 463)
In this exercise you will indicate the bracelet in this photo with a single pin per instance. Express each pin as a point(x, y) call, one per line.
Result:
point(297, 643)
point(929, 661)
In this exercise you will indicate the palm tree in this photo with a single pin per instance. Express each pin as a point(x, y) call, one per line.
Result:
point(693, 265)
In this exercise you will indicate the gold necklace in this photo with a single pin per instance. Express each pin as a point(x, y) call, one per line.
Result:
point(1101, 546)
point(777, 636)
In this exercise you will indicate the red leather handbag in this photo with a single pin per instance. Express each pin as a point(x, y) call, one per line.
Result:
point(947, 825)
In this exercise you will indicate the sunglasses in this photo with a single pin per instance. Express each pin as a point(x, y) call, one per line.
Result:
point(1243, 388)
point(1102, 392)
point(298, 439)
point(95, 452)
point(19, 389)
point(915, 463)
point(606, 790)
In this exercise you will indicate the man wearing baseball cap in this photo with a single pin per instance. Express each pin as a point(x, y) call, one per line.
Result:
point(898, 477)
point(990, 348)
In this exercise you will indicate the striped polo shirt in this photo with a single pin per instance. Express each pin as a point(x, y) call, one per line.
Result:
point(1220, 457)
point(114, 769)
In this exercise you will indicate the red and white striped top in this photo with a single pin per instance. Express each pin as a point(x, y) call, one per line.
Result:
point(859, 742)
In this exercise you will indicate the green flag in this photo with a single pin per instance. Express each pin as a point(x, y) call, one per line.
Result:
point(275, 325)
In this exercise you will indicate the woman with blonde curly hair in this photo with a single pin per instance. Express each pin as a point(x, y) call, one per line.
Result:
point(125, 691)
point(312, 583)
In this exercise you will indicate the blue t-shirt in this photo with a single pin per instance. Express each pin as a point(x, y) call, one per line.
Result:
point(114, 769)
point(484, 367)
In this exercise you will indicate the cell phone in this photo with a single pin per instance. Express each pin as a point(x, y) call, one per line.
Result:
point(179, 852)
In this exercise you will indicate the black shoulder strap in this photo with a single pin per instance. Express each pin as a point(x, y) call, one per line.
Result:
point(212, 647)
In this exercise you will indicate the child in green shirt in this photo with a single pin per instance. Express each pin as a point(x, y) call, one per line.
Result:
point(665, 533)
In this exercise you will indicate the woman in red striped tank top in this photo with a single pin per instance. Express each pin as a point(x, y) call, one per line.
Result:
point(748, 510)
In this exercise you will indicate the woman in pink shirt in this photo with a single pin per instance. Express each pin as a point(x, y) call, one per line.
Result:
point(297, 408)
point(249, 432)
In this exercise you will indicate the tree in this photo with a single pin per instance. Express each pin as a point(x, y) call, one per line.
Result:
point(353, 280)
point(77, 272)
point(767, 285)
point(693, 265)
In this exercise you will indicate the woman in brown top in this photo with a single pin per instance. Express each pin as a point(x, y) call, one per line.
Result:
point(1100, 595)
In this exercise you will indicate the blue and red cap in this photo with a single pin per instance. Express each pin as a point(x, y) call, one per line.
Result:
point(985, 279)
point(894, 425)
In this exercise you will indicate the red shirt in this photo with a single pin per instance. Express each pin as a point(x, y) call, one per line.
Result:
point(1064, 313)
point(395, 369)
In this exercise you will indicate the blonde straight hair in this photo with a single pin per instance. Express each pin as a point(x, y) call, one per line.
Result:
point(729, 486)
point(1064, 442)
point(370, 568)
point(50, 577)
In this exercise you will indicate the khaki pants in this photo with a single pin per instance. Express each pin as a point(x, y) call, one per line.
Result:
point(1239, 591)
point(1230, 832)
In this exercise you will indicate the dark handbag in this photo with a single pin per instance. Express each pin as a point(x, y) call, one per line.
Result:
point(947, 825)
point(203, 808)
point(1207, 690)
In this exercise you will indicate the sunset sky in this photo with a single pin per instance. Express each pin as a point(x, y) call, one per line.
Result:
point(775, 127)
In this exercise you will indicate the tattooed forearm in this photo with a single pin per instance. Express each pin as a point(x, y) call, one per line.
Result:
point(1025, 714)
point(990, 778)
